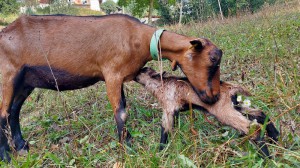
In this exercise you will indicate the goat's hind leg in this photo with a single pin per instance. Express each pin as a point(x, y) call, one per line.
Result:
point(8, 87)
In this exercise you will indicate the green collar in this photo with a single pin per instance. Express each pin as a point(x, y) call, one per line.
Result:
point(154, 43)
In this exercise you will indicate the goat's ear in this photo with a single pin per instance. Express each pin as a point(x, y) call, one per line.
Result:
point(153, 75)
point(156, 75)
point(174, 65)
point(197, 44)
point(144, 69)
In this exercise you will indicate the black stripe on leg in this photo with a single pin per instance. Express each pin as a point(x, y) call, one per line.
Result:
point(262, 146)
point(120, 117)
point(14, 120)
point(261, 118)
point(163, 138)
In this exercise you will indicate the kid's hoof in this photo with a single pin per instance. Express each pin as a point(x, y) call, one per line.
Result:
point(272, 132)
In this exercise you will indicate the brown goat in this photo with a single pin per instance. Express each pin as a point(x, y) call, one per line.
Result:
point(69, 52)
point(175, 94)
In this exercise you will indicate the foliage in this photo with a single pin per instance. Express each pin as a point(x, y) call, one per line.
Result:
point(197, 10)
point(255, 5)
point(61, 7)
point(164, 11)
point(137, 8)
point(9, 6)
point(5, 19)
point(70, 10)
point(109, 6)
point(234, 7)
point(43, 11)
point(193, 10)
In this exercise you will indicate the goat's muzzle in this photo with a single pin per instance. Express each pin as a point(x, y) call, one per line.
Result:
point(207, 99)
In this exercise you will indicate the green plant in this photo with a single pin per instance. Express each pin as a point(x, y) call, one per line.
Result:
point(109, 6)
point(61, 7)
point(9, 7)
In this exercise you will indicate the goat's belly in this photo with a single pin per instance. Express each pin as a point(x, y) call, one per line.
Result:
point(44, 77)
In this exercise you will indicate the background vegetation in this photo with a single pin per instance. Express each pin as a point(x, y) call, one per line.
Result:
point(261, 52)
point(184, 11)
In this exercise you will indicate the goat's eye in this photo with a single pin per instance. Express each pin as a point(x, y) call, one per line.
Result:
point(213, 59)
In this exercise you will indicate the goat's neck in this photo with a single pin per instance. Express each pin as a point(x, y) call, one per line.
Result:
point(173, 45)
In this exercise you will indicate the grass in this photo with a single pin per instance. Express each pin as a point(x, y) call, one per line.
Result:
point(261, 52)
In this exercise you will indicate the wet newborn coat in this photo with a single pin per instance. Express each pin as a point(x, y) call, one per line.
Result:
point(175, 94)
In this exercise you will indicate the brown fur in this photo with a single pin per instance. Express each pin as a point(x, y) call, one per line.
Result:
point(84, 50)
point(111, 48)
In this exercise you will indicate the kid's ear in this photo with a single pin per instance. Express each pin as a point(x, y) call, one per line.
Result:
point(156, 74)
point(174, 65)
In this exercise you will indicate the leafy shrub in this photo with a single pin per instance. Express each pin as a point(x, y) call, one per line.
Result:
point(109, 6)
point(43, 11)
point(61, 7)
point(9, 6)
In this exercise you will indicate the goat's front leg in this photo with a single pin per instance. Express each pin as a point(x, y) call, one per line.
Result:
point(166, 127)
point(8, 87)
point(117, 99)
point(236, 120)
point(261, 118)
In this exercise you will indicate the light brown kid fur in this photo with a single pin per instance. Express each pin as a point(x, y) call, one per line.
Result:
point(175, 94)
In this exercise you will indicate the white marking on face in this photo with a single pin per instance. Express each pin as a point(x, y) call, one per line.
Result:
point(190, 57)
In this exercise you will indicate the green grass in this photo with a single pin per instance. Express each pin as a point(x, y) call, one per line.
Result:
point(6, 19)
point(77, 128)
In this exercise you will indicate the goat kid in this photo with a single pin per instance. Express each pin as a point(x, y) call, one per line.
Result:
point(175, 94)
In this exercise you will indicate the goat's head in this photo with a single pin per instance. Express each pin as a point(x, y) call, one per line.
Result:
point(201, 65)
point(147, 74)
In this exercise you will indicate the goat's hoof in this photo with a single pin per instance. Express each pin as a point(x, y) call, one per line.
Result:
point(21, 145)
point(5, 153)
point(162, 146)
point(22, 152)
point(272, 132)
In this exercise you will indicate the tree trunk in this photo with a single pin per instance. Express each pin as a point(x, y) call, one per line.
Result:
point(150, 12)
point(180, 14)
point(221, 13)
point(100, 2)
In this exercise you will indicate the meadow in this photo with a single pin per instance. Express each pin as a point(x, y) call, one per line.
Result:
point(261, 52)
